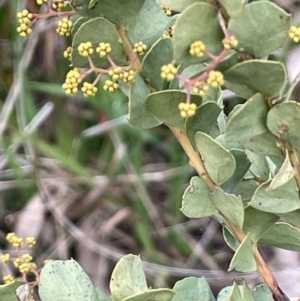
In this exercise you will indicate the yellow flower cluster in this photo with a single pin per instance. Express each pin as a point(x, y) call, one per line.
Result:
point(40, 2)
point(166, 9)
point(13, 239)
point(59, 5)
point(230, 42)
point(24, 19)
point(25, 264)
point(88, 89)
point(64, 27)
point(168, 72)
point(129, 76)
point(116, 73)
point(103, 49)
point(68, 53)
point(73, 78)
point(197, 48)
point(187, 109)
point(8, 279)
point(110, 86)
point(139, 48)
point(5, 258)
point(215, 79)
point(30, 241)
point(294, 34)
point(85, 49)
point(200, 88)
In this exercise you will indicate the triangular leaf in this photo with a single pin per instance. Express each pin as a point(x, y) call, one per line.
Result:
point(196, 202)
point(243, 259)
point(218, 161)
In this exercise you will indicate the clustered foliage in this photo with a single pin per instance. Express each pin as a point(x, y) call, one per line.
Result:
point(173, 60)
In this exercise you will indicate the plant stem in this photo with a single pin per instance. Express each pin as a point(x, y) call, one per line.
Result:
point(197, 164)
point(195, 160)
point(133, 57)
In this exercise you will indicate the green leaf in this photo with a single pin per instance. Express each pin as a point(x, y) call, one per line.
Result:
point(251, 115)
point(257, 222)
point(282, 235)
point(161, 53)
point(120, 12)
point(229, 238)
point(230, 206)
point(191, 288)
point(243, 259)
point(246, 189)
point(128, 278)
point(96, 31)
point(285, 174)
point(205, 117)
point(192, 25)
point(261, 28)
point(77, 24)
point(139, 115)
point(65, 280)
point(233, 7)
point(291, 217)
point(164, 106)
point(196, 202)
point(219, 162)
point(230, 293)
point(259, 167)
point(247, 294)
point(252, 76)
point(149, 25)
point(263, 293)
point(280, 200)
point(283, 121)
point(242, 166)
point(265, 144)
point(161, 294)
point(178, 5)
point(7, 291)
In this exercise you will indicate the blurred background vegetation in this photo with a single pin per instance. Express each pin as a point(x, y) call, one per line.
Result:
point(75, 175)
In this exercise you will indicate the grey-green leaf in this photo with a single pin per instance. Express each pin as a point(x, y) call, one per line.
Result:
point(283, 121)
point(243, 259)
point(164, 106)
point(196, 202)
point(252, 76)
point(248, 121)
point(128, 278)
point(233, 7)
point(160, 294)
point(161, 53)
point(192, 26)
point(219, 162)
point(242, 166)
point(107, 33)
point(139, 115)
point(261, 28)
point(205, 117)
point(65, 280)
point(282, 235)
point(149, 25)
point(258, 222)
point(192, 288)
point(280, 200)
point(230, 206)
